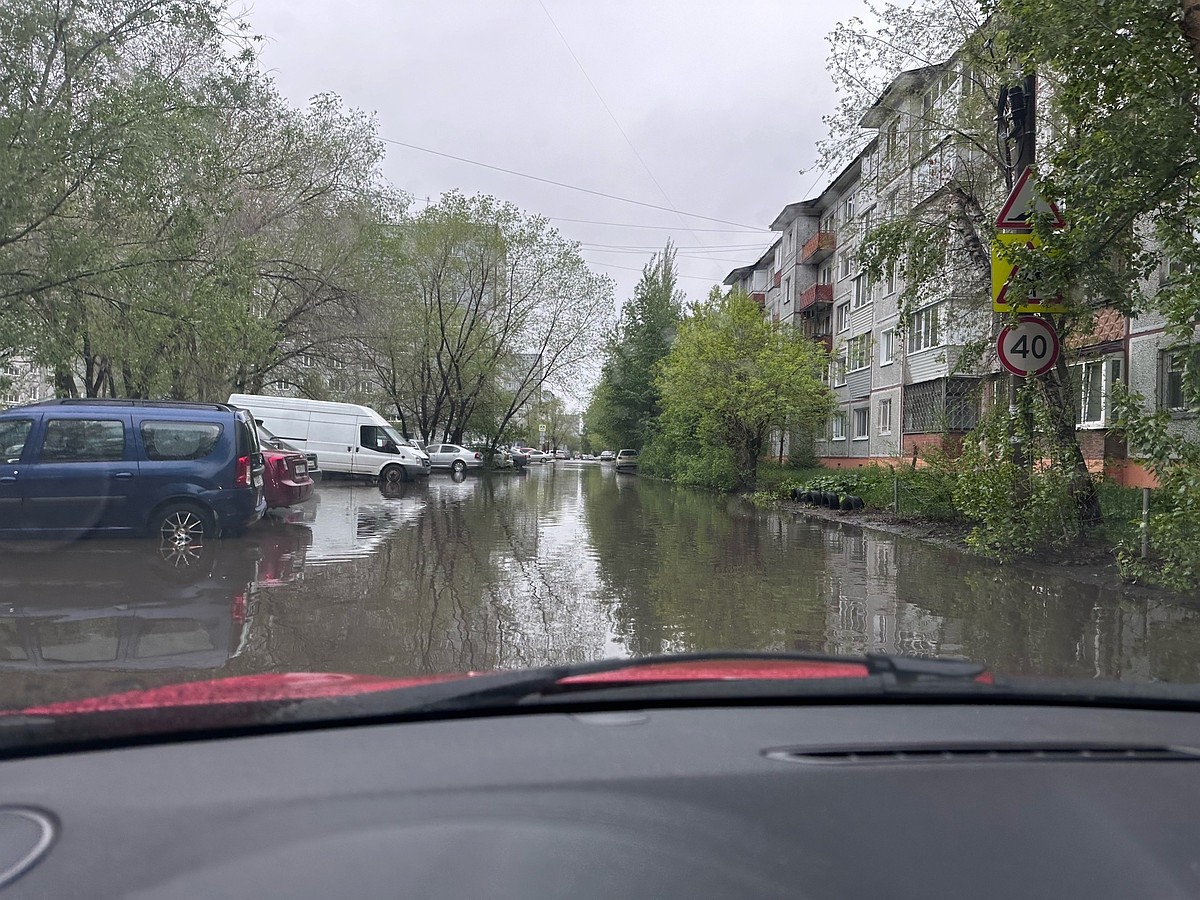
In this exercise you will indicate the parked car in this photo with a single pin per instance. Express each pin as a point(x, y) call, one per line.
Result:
point(502, 459)
point(350, 439)
point(285, 478)
point(180, 471)
point(607, 456)
point(453, 457)
point(270, 441)
point(561, 454)
point(627, 460)
point(535, 455)
point(519, 457)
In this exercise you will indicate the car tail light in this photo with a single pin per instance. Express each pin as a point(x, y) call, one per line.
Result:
point(281, 467)
point(242, 476)
point(477, 456)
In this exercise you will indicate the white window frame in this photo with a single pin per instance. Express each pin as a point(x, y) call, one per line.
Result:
point(838, 364)
point(885, 419)
point(862, 291)
point(842, 317)
point(843, 265)
point(787, 289)
point(826, 276)
point(848, 209)
point(926, 330)
point(858, 353)
point(1111, 369)
point(891, 278)
point(887, 346)
point(861, 415)
point(837, 427)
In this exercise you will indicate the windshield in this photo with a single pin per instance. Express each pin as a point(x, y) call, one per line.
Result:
point(874, 333)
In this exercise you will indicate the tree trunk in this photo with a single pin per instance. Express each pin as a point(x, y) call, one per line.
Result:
point(1059, 388)
point(1190, 26)
point(64, 382)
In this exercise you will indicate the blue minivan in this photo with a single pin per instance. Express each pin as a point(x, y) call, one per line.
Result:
point(177, 471)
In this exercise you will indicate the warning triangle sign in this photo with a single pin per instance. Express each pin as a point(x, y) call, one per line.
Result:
point(1033, 301)
point(1023, 201)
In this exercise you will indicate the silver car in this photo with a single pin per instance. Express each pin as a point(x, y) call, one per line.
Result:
point(453, 457)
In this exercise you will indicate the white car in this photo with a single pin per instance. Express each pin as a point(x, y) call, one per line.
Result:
point(607, 456)
point(453, 457)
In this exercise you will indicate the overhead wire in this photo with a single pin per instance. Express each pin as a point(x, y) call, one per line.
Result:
point(612, 115)
point(562, 184)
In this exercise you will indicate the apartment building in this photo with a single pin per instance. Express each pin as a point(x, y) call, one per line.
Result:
point(904, 384)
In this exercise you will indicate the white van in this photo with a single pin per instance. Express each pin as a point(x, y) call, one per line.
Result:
point(347, 438)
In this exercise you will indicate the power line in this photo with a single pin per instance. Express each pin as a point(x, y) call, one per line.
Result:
point(677, 275)
point(654, 248)
point(660, 227)
point(612, 115)
point(562, 184)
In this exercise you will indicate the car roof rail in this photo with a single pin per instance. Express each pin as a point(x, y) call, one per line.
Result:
point(137, 404)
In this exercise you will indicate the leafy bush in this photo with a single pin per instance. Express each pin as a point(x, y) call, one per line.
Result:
point(1015, 510)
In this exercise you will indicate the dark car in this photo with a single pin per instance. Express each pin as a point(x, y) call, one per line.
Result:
point(285, 480)
point(178, 471)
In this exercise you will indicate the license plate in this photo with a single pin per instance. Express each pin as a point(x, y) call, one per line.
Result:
point(258, 481)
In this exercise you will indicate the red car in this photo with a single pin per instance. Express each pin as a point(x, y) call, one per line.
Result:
point(286, 481)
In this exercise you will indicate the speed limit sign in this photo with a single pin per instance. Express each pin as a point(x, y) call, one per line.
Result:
point(1028, 348)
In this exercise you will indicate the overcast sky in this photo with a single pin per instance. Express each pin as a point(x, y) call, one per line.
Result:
point(722, 102)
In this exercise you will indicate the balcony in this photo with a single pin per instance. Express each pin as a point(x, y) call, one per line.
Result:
point(818, 293)
point(818, 247)
point(778, 278)
point(759, 297)
point(825, 340)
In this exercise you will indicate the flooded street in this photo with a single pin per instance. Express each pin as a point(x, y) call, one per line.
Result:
point(568, 562)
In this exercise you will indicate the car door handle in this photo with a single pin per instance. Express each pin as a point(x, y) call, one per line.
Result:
point(8, 479)
point(123, 476)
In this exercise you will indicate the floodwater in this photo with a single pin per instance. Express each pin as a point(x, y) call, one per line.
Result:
point(564, 563)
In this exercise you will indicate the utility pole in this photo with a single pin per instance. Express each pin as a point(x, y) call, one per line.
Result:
point(1016, 122)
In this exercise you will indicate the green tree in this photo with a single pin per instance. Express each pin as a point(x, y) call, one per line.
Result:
point(730, 378)
point(476, 308)
point(625, 402)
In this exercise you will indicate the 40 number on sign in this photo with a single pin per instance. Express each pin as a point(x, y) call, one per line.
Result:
point(1028, 348)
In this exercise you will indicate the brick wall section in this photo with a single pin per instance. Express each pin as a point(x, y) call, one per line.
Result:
point(1109, 326)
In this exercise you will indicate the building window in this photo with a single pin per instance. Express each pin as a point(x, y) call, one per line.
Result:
point(885, 416)
point(862, 291)
point(887, 347)
point(827, 222)
point(787, 289)
point(843, 317)
point(844, 264)
point(891, 277)
point(862, 423)
point(788, 248)
point(926, 330)
point(859, 350)
point(1094, 379)
point(891, 140)
point(837, 427)
point(839, 369)
point(1174, 364)
point(827, 274)
point(848, 209)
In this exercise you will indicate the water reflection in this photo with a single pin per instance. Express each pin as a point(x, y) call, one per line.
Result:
point(560, 564)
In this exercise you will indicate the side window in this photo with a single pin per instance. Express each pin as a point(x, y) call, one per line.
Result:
point(13, 434)
point(373, 437)
point(179, 440)
point(83, 440)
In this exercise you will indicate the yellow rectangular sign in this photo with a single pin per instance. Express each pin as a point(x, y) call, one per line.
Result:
point(1002, 275)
